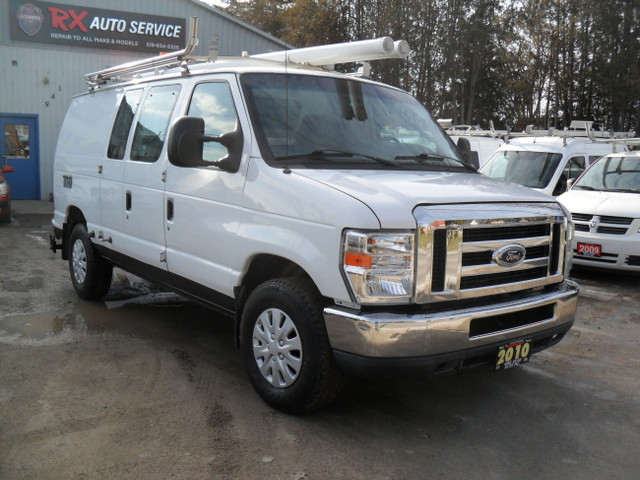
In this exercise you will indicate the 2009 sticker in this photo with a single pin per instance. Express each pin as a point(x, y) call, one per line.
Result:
point(514, 354)
point(589, 250)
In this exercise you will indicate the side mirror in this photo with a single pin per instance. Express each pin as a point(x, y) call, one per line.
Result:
point(465, 148)
point(561, 186)
point(7, 169)
point(186, 140)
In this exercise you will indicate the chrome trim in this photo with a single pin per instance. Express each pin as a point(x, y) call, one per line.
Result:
point(506, 218)
point(470, 247)
point(393, 335)
point(495, 268)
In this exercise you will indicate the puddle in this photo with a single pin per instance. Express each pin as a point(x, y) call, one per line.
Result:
point(133, 309)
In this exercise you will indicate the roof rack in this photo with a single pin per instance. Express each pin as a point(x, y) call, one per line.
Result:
point(472, 130)
point(95, 79)
point(629, 140)
point(322, 56)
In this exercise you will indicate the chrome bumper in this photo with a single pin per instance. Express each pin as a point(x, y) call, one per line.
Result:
point(392, 335)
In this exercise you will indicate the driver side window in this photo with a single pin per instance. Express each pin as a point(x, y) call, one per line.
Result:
point(574, 168)
point(213, 102)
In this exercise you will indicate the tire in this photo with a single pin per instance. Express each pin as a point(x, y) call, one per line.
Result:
point(285, 347)
point(90, 273)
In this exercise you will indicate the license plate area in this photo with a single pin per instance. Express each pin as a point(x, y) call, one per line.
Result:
point(589, 249)
point(513, 354)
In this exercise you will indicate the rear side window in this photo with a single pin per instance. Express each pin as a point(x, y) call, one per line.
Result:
point(122, 125)
point(153, 121)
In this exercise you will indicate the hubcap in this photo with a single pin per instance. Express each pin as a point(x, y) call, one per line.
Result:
point(79, 261)
point(277, 348)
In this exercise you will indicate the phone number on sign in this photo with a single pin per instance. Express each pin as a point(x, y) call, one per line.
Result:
point(163, 46)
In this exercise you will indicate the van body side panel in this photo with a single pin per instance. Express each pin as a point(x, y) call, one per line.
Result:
point(291, 216)
point(112, 197)
point(203, 204)
point(144, 177)
point(82, 146)
point(201, 235)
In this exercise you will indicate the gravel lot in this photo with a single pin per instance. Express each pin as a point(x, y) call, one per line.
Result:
point(146, 385)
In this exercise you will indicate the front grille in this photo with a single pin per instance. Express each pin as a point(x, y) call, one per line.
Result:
point(475, 250)
point(507, 321)
point(602, 224)
point(612, 230)
point(581, 217)
point(633, 260)
point(616, 220)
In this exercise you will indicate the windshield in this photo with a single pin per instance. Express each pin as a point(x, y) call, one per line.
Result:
point(316, 121)
point(612, 174)
point(531, 169)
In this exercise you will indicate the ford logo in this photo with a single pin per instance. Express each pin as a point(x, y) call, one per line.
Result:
point(509, 255)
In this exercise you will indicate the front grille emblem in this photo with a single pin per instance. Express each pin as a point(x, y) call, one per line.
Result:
point(510, 255)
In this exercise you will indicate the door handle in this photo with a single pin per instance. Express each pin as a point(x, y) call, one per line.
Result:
point(170, 209)
point(128, 200)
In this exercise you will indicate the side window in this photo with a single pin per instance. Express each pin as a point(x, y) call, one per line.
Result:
point(574, 168)
point(213, 102)
point(122, 124)
point(153, 122)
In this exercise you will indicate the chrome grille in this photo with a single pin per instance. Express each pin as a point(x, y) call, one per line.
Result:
point(459, 246)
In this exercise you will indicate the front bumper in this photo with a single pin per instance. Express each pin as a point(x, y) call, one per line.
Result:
point(446, 340)
point(618, 252)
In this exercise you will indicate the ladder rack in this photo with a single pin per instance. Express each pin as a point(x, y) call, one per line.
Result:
point(325, 56)
point(173, 59)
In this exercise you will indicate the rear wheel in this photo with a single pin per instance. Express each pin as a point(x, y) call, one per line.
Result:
point(285, 347)
point(90, 273)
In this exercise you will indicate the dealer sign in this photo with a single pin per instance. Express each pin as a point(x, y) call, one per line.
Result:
point(62, 24)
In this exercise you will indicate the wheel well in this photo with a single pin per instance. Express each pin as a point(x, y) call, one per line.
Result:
point(74, 216)
point(267, 267)
point(263, 268)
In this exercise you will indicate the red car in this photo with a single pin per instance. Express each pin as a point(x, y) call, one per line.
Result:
point(5, 195)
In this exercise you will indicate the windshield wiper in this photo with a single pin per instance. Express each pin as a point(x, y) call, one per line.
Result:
point(586, 187)
point(327, 154)
point(429, 156)
point(623, 190)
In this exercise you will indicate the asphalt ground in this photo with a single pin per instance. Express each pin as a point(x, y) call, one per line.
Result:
point(147, 385)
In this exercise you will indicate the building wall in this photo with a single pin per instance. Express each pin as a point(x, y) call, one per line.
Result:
point(41, 79)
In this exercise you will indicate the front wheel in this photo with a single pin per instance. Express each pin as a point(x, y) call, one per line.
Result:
point(90, 273)
point(285, 347)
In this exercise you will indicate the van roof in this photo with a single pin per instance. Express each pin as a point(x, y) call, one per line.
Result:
point(556, 144)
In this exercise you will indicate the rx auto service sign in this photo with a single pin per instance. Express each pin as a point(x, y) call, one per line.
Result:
point(62, 24)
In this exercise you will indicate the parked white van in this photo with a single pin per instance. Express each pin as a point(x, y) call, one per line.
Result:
point(545, 162)
point(289, 197)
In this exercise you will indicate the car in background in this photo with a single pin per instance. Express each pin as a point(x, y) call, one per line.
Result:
point(5, 195)
point(605, 205)
point(545, 162)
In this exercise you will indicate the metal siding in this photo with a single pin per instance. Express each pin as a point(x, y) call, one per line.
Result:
point(25, 90)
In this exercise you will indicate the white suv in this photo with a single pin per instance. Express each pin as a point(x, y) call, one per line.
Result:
point(329, 215)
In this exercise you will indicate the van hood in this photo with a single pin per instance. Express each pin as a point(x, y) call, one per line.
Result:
point(615, 204)
point(392, 195)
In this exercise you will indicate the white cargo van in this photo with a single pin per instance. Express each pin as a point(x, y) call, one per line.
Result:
point(327, 214)
point(546, 162)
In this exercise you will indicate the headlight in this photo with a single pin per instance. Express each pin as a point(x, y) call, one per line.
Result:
point(4, 189)
point(379, 266)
